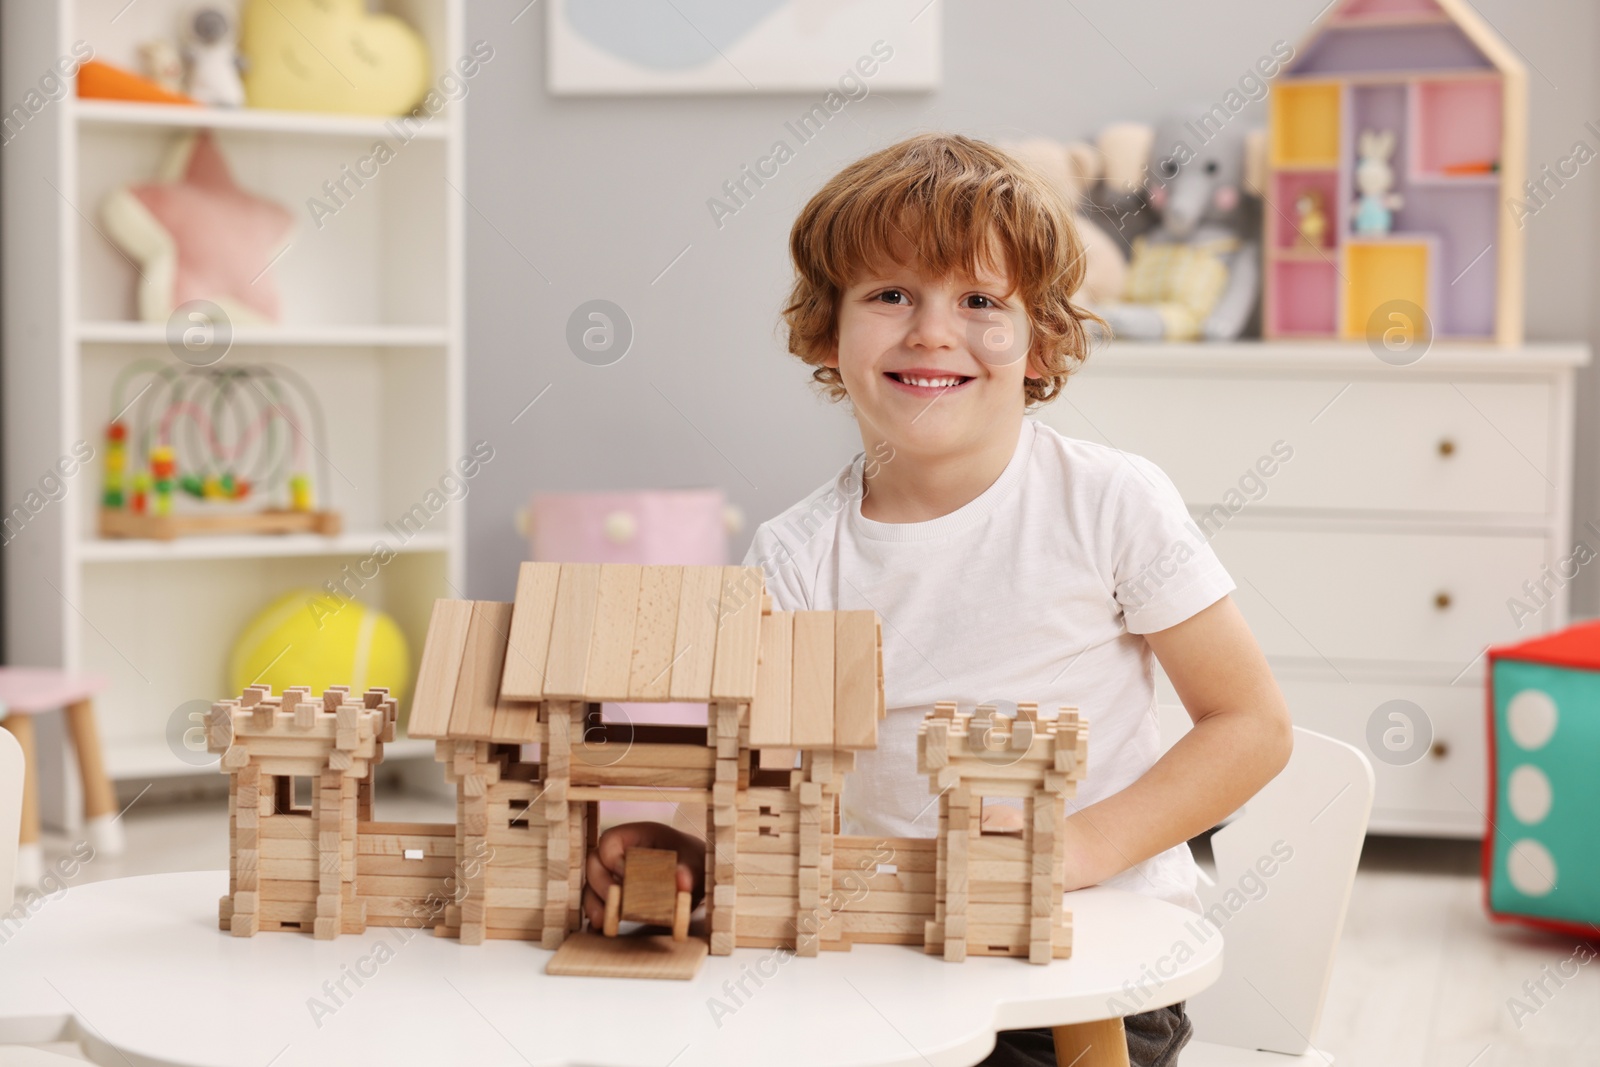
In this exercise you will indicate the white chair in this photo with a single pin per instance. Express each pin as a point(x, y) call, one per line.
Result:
point(1281, 928)
point(12, 768)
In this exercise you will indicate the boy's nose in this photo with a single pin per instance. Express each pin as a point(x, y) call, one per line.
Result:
point(934, 328)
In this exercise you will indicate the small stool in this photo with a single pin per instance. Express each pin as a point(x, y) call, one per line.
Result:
point(29, 691)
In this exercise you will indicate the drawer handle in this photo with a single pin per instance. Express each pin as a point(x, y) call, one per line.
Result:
point(1447, 447)
point(1441, 601)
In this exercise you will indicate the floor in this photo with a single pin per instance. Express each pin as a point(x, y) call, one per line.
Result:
point(1422, 978)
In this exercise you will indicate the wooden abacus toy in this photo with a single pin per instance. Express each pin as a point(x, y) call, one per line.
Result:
point(247, 431)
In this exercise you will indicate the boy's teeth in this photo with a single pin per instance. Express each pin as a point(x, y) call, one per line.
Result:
point(930, 383)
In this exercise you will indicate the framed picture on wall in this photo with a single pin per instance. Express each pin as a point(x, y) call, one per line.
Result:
point(742, 46)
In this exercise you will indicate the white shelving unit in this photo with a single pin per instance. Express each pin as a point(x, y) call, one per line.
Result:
point(372, 299)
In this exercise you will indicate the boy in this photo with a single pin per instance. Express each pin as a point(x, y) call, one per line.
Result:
point(1007, 562)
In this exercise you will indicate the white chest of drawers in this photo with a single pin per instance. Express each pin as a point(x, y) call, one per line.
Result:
point(1422, 514)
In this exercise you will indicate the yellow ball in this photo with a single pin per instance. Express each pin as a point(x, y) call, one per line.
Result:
point(308, 637)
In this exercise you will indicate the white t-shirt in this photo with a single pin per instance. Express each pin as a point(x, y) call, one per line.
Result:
point(1037, 590)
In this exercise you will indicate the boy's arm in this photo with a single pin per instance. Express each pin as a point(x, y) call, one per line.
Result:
point(1241, 739)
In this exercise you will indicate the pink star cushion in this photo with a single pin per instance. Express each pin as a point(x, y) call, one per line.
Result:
point(196, 235)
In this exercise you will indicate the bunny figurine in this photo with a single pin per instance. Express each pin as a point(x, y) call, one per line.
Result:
point(1375, 178)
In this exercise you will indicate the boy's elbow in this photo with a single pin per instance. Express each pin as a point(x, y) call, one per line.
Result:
point(1279, 745)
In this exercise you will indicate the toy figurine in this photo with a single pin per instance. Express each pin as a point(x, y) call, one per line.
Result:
point(1375, 178)
point(211, 54)
point(1311, 219)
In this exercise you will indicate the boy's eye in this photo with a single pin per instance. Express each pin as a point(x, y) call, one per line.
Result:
point(984, 305)
point(892, 296)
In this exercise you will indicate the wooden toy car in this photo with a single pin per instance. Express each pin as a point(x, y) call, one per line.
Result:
point(649, 893)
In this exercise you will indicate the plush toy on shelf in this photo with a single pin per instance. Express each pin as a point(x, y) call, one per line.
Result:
point(331, 55)
point(211, 56)
point(1073, 168)
point(197, 235)
point(1378, 202)
point(1195, 276)
point(162, 63)
point(245, 432)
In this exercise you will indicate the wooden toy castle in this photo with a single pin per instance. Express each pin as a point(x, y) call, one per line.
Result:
point(790, 698)
point(1398, 145)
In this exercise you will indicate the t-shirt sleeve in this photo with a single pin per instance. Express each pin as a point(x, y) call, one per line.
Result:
point(1163, 570)
point(778, 568)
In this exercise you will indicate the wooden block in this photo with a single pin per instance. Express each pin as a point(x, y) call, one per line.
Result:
point(649, 885)
point(722, 943)
point(477, 689)
point(770, 708)
point(855, 679)
point(528, 640)
point(440, 668)
point(572, 635)
point(611, 649)
point(733, 675)
point(695, 639)
point(246, 902)
point(935, 745)
point(811, 693)
point(655, 626)
point(242, 924)
point(589, 954)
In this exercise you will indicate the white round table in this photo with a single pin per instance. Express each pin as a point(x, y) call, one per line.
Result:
point(137, 969)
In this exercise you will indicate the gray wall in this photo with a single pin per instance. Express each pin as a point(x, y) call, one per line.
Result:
point(574, 199)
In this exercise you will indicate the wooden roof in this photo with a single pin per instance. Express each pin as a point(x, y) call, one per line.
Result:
point(1352, 14)
point(624, 632)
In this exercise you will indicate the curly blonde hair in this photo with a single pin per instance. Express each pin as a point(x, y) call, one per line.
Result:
point(957, 196)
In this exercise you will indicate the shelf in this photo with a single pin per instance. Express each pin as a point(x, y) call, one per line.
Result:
point(155, 333)
point(1301, 254)
point(116, 113)
point(354, 543)
point(1336, 357)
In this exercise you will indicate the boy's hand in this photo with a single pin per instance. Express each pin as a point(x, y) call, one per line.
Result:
point(604, 865)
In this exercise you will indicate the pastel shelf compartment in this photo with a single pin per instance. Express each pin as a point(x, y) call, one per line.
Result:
point(1305, 297)
point(1305, 125)
point(1389, 46)
point(1464, 220)
point(1378, 270)
point(1458, 123)
point(1288, 186)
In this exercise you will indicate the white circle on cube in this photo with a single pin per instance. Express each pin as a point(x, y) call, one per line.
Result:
point(1531, 868)
point(1531, 717)
point(1529, 794)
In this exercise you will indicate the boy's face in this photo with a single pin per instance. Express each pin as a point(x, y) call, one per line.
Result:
point(934, 367)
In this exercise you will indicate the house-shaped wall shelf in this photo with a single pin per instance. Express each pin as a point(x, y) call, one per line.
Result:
point(790, 698)
point(1454, 95)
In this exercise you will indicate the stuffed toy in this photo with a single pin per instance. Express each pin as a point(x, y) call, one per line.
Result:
point(1118, 199)
point(162, 63)
point(196, 235)
point(332, 55)
point(1195, 275)
point(102, 81)
point(1072, 169)
point(211, 56)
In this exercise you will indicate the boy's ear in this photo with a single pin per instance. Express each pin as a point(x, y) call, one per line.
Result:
point(832, 358)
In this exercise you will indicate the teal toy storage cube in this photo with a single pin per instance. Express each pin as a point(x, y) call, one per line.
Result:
point(1541, 851)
